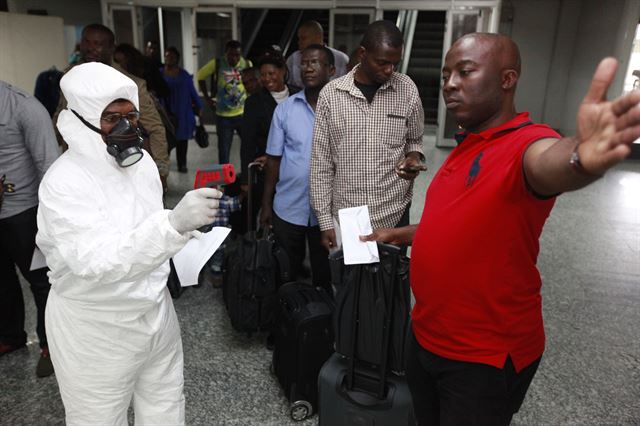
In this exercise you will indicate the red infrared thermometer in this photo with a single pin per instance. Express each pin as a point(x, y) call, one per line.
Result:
point(219, 174)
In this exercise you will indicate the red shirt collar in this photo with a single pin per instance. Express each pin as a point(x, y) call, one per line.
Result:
point(520, 120)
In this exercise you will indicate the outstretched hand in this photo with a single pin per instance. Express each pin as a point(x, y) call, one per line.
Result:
point(606, 129)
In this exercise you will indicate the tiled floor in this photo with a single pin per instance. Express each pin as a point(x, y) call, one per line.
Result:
point(589, 375)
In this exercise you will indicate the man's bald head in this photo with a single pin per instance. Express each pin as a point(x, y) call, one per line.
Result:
point(498, 47)
point(310, 32)
point(480, 76)
point(313, 27)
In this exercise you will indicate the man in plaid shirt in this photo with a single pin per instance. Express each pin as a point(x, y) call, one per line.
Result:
point(367, 140)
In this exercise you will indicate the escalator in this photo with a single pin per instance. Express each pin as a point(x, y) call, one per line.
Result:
point(263, 28)
point(425, 60)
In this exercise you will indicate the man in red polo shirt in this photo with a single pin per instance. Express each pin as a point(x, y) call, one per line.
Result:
point(477, 322)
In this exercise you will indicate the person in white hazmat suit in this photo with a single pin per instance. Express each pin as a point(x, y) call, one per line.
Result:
point(113, 331)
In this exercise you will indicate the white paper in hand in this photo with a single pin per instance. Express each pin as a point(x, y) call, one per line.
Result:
point(355, 221)
point(190, 260)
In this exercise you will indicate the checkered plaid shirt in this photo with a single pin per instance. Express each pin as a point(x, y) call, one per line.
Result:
point(226, 206)
point(356, 146)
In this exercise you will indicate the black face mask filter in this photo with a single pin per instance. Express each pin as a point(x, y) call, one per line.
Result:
point(124, 142)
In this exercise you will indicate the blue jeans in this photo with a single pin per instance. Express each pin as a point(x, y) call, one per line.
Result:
point(225, 127)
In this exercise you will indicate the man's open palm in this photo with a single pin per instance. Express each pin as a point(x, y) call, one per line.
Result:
point(606, 128)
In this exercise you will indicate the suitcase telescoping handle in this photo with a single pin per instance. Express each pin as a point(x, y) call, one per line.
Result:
point(394, 252)
point(250, 183)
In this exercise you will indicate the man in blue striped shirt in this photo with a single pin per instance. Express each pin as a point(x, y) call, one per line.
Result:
point(289, 212)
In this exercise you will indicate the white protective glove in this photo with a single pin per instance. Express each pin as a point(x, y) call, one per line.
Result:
point(197, 208)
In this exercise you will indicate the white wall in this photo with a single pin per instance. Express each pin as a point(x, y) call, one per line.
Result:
point(561, 42)
point(596, 37)
point(559, 71)
point(533, 29)
point(29, 45)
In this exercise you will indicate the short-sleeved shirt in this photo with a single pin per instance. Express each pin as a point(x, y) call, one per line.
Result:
point(28, 146)
point(473, 261)
point(357, 145)
point(230, 93)
point(293, 63)
point(290, 137)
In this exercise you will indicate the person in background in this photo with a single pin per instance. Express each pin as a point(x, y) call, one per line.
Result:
point(311, 32)
point(227, 94)
point(27, 148)
point(183, 100)
point(113, 331)
point(367, 138)
point(285, 203)
point(478, 333)
point(97, 45)
point(152, 53)
point(151, 71)
point(257, 120)
point(47, 89)
point(251, 80)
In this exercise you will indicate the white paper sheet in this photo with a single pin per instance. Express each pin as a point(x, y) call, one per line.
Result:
point(355, 221)
point(190, 260)
point(37, 260)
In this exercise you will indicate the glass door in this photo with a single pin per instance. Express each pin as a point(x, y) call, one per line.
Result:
point(459, 23)
point(346, 27)
point(124, 24)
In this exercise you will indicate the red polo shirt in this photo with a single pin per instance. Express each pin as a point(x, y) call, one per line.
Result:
point(473, 260)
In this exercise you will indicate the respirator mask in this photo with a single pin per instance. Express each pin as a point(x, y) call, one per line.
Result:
point(124, 141)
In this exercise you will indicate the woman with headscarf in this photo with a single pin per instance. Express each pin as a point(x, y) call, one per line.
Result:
point(113, 332)
point(182, 101)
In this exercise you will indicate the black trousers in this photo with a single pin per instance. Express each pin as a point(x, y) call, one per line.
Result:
point(181, 152)
point(293, 239)
point(17, 242)
point(447, 392)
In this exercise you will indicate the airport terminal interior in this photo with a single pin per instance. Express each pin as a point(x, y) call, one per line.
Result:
point(590, 371)
point(589, 251)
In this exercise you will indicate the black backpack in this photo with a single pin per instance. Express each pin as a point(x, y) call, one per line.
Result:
point(373, 303)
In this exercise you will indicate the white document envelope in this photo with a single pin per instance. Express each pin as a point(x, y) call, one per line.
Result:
point(190, 260)
point(355, 221)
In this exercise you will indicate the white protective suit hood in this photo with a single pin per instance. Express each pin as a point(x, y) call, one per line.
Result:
point(89, 88)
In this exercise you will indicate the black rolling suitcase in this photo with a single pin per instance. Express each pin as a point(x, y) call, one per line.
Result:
point(253, 269)
point(303, 343)
point(357, 386)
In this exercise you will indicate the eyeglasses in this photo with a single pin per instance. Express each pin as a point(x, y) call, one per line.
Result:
point(313, 63)
point(114, 117)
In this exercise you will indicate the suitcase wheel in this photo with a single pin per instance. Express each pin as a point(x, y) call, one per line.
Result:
point(300, 410)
